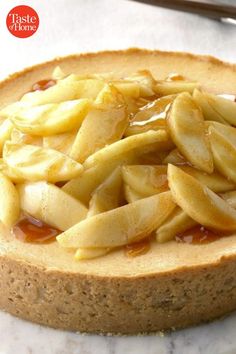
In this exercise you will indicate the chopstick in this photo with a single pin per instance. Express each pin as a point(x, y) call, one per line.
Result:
point(215, 11)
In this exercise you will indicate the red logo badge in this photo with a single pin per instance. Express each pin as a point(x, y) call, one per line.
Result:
point(22, 21)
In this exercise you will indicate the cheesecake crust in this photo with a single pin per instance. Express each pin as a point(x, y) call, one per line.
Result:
point(172, 286)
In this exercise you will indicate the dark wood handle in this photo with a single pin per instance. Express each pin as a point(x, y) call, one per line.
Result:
point(216, 11)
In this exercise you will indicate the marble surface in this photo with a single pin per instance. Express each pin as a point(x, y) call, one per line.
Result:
point(18, 336)
point(69, 26)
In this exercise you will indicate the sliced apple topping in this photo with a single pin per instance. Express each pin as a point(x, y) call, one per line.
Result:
point(10, 173)
point(106, 123)
point(199, 202)
point(228, 132)
point(51, 204)
point(107, 195)
point(83, 186)
point(70, 88)
point(90, 253)
point(223, 107)
point(58, 73)
point(207, 109)
point(60, 142)
point(175, 158)
point(120, 226)
point(131, 195)
point(176, 223)
point(50, 119)
point(6, 128)
point(146, 180)
point(230, 198)
point(214, 181)
point(151, 140)
point(224, 154)
point(95, 156)
point(127, 88)
point(145, 81)
point(34, 163)
point(164, 88)
point(187, 130)
point(9, 202)
point(18, 137)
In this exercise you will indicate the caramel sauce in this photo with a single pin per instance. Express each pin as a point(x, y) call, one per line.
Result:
point(175, 77)
point(60, 184)
point(43, 85)
point(138, 248)
point(33, 230)
point(165, 185)
point(197, 235)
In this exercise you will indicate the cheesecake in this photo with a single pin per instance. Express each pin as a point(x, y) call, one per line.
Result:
point(118, 191)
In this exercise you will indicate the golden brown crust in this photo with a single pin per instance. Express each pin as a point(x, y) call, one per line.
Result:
point(196, 67)
point(174, 285)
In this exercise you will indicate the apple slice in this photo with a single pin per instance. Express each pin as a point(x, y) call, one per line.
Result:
point(34, 163)
point(165, 88)
point(152, 157)
point(153, 140)
point(52, 118)
point(227, 131)
point(175, 158)
point(145, 81)
point(214, 181)
point(120, 226)
point(67, 89)
point(90, 253)
point(60, 142)
point(224, 154)
point(83, 186)
point(187, 130)
point(208, 110)
point(9, 202)
point(58, 73)
point(8, 172)
point(107, 195)
point(103, 125)
point(230, 198)
point(131, 195)
point(127, 88)
point(51, 204)
point(12, 109)
point(146, 180)
point(176, 223)
point(199, 202)
point(21, 138)
point(224, 107)
point(5, 132)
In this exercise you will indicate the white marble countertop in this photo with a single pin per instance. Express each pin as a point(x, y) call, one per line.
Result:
point(21, 337)
point(70, 26)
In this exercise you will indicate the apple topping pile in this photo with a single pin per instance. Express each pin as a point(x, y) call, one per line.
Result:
point(109, 161)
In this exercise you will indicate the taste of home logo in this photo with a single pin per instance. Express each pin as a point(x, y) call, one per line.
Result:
point(22, 21)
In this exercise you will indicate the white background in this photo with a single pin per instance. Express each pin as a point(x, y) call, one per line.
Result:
point(71, 26)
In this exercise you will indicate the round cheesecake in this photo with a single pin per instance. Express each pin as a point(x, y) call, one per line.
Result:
point(173, 285)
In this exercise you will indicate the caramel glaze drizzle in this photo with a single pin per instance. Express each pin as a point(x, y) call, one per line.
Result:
point(138, 248)
point(32, 230)
point(197, 235)
point(43, 85)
